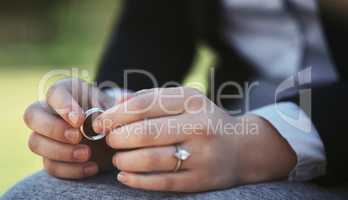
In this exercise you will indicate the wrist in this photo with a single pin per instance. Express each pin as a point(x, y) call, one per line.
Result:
point(265, 155)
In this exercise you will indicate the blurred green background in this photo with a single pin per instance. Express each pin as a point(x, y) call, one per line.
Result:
point(36, 37)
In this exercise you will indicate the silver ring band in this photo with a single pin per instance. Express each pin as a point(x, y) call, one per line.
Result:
point(88, 114)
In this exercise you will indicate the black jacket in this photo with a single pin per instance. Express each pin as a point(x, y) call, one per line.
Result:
point(161, 37)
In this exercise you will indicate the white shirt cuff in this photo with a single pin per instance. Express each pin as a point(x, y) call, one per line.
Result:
point(298, 130)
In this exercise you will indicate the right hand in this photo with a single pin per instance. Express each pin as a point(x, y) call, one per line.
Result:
point(56, 137)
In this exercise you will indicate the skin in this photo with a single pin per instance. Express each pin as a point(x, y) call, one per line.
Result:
point(55, 130)
point(141, 129)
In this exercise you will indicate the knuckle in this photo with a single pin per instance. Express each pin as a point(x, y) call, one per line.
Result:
point(56, 129)
point(50, 167)
point(191, 91)
point(119, 162)
point(138, 115)
point(33, 143)
point(31, 110)
point(28, 115)
point(139, 139)
point(135, 182)
point(59, 85)
point(149, 158)
point(52, 90)
point(139, 109)
point(110, 140)
point(139, 103)
point(114, 160)
point(154, 157)
point(195, 103)
point(79, 174)
point(194, 99)
point(115, 139)
point(52, 132)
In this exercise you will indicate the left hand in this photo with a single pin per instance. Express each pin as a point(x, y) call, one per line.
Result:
point(147, 127)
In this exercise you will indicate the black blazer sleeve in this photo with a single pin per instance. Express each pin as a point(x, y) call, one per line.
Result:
point(329, 115)
point(330, 103)
point(152, 35)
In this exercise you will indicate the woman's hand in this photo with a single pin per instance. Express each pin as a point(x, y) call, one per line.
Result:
point(56, 137)
point(225, 151)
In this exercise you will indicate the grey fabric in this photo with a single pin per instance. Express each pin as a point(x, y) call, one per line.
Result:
point(43, 186)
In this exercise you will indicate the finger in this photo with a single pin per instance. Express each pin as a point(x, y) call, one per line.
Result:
point(124, 97)
point(70, 170)
point(157, 159)
point(156, 103)
point(154, 132)
point(60, 99)
point(99, 99)
point(40, 119)
point(185, 181)
point(54, 150)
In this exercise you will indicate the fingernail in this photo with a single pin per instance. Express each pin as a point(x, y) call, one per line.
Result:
point(74, 117)
point(97, 126)
point(90, 170)
point(80, 153)
point(121, 177)
point(115, 160)
point(72, 135)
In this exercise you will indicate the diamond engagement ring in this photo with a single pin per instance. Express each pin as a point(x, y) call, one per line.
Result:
point(87, 129)
point(181, 155)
